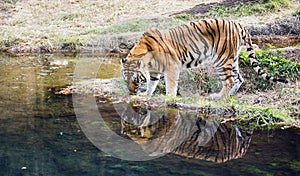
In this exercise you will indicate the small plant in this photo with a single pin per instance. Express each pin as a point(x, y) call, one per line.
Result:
point(296, 13)
point(266, 119)
point(274, 62)
point(182, 17)
point(18, 22)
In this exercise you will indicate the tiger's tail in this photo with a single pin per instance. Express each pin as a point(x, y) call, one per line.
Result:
point(254, 64)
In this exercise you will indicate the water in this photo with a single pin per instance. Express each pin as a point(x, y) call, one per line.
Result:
point(40, 134)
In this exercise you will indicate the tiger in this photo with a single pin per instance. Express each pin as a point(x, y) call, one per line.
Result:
point(228, 143)
point(214, 41)
point(184, 133)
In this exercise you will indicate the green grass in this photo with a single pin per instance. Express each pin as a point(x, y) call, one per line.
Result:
point(263, 7)
point(274, 63)
point(203, 80)
point(182, 17)
point(296, 13)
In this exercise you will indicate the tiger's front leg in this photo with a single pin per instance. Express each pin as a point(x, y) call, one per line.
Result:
point(152, 83)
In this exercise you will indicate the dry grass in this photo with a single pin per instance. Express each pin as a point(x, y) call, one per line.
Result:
point(70, 21)
point(69, 17)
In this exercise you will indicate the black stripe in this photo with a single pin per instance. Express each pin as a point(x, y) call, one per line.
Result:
point(224, 69)
point(221, 53)
point(260, 72)
point(182, 34)
point(152, 78)
point(218, 29)
point(249, 49)
point(182, 61)
point(152, 37)
point(251, 55)
point(192, 59)
point(202, 37)
point(223, 50)
point(209, 26)
point(211, 35)
point(254, 64)
point(227, 77)
point(282, 80)
point(148, 46)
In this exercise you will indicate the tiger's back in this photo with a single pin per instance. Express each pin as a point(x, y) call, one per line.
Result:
point(215, 41)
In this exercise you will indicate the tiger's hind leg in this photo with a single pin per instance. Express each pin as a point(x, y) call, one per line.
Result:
point(238, 79)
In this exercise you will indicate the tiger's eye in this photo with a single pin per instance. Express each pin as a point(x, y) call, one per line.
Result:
point(123, 59)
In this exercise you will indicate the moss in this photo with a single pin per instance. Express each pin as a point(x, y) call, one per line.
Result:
point(241, 9)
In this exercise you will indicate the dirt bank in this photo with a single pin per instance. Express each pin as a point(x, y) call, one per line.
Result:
point(282, 33)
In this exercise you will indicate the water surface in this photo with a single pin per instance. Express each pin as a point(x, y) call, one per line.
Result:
point(40, 134)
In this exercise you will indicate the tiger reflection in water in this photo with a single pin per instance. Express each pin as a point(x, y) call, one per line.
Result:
point(188, 134)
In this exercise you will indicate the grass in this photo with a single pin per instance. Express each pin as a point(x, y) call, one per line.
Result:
point(274, 63)
point(182, 17)
point(130, 26)
point(68, 43)
point(204, 79)
point(7, 4)
point(296, 13)
point(88, 20)
point(239, 10)
point(136, 25)
point(257, 115)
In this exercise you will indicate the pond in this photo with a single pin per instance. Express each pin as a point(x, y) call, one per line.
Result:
point(46, 133)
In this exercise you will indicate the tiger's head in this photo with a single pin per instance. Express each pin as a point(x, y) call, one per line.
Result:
point(132, 63)
point(132, 75)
